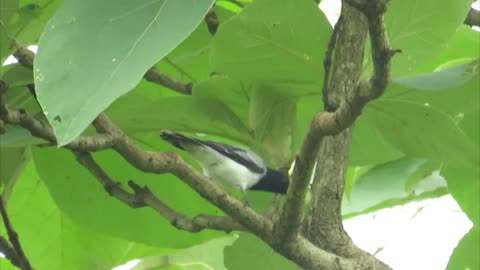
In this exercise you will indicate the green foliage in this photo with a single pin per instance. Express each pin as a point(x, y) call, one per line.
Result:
point(94, 52)
point(466, 253)
point(52, 241)
point(268, 64)
point(249, 252)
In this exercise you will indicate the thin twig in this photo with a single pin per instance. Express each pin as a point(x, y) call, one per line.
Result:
point(13, 238)
point(142, 196)
point(155, 76)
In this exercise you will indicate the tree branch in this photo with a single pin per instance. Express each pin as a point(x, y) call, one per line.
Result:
point(9, 252)
point(473, 18)
point(25, 57)
point(212, 21)
point(142, 197)
point(333, 123)
point(41, 130)
point(153, 75)
point(296, 248)
point(15, 249)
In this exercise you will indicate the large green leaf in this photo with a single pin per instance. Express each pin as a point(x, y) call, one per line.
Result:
point(93, 52)
point(417, 28)
point(422, 131)
point(464, 184)
point(52, 242)
point(273, 42)
point(465, 256)
point(393, 183)
point(249, 252)
point(430, 106)
point(79, 195)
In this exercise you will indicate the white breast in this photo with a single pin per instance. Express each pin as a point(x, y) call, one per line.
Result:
point(225, 171)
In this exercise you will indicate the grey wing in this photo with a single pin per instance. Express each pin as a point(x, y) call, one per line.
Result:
point(239, 154)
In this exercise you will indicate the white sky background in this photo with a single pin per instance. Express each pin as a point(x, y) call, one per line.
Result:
point(416, 236)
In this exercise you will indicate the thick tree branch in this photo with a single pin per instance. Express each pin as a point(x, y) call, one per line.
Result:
point(15, 249)
point(333, 123)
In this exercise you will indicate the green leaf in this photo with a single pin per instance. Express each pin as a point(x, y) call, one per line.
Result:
point(369, 146)
point(470, 124)
point(30, 19)
point(272, 120)
point(12, 164)
point(249, 252)
point(463, 185)
point(462, 98)
point(422, 131)
point(83, 199)
point(208, 255)
point(52, 242)
point(463, 46)
point(234, 94)
point(92, 53)
point(7, 11)
point(388, 184)
point(190, 61)
point(18, 95)
point(135, 114)
point(465, 256)
point(16, 75)
point(414, 184)
point(444, 79)
point(416, 28)
point(268, 41)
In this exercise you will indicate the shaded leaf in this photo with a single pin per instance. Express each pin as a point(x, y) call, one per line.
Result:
point(12, 163)
point(92, 207)
point(272, 42)
point(259, 255)
point(416, 28)
point(52, 242)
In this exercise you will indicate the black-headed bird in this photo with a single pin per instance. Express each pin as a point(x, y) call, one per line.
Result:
point(231, 166)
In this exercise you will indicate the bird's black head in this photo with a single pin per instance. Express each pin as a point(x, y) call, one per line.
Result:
point(273, 181)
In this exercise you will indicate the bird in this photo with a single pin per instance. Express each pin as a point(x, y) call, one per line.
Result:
point(230, 166)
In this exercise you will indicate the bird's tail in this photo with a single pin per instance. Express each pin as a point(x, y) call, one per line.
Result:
point(178, 140)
